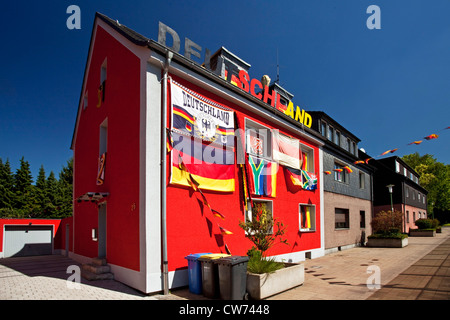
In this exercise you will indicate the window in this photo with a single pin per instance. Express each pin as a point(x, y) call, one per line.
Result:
point(341, 175)
point(397, 166)
point(418, 196)
point(405, 172)
point(423, 199)
point(307, 217)
point(308, 158)
point(258, 139)
point(414, 216)
point(407, 216)
point(103, 137)
point(362, 219)
point(258, 206)
point(341, 217)
point(85, 100)
point(414, 195)
point(330, 133)
point(362, 180)
point(407, 192)
point(337, 138)
point(103, 72)
point(353, 148)
point(348, 144)
point(323, 128)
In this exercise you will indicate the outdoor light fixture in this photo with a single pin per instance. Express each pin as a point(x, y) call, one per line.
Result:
point(390, 186)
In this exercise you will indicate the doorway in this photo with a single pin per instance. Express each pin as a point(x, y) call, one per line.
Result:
point(102, 230)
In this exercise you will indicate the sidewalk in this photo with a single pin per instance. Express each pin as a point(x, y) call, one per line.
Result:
point(418, 271)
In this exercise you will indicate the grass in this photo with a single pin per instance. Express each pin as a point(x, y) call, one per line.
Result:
point(263, 265)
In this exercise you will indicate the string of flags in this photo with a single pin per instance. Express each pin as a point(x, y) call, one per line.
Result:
point(366, 161)
point(195, 186)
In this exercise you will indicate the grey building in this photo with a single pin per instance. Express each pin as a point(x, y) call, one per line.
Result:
point(347, 186)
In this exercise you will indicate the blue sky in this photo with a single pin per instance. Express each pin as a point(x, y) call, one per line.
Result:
point(388, 86)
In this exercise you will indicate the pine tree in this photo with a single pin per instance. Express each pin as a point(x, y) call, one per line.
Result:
point(25, 197)
point(6, 186)
point(65, 189)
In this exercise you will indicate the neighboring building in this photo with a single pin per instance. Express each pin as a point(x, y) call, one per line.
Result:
point(407, 196)
point(347, 186)
point(136, 202)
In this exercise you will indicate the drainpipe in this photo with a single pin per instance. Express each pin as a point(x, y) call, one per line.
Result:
point(165, 271)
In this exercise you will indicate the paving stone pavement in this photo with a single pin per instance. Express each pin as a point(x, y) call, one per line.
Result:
point(419, 271)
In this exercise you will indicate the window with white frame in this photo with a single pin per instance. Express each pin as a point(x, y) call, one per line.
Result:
point(258, 139)
point(307, 217)
point(340, 174)
point(307, 158)
point(260, 206)
point(362, 180)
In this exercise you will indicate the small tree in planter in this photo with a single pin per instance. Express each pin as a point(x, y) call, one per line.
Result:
point(387, 224)
point(263, 230)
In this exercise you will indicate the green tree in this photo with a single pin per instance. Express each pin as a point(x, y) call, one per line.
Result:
point(65, 189)
point(6, 186)
point(25, 195)
point(435, 177)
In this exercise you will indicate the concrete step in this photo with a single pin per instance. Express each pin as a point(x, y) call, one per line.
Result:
point(96, 268)
point(99, 261)
point(94, 276)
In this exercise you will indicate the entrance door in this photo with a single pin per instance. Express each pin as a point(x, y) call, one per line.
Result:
point(102, 231)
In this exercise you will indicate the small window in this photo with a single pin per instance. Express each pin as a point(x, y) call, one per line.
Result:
point(337, 138)
point(85, 100)
point(260, 206)
point(340, 174)
point(397, 166)
point(349, 143)
point(103, 141)
point(362, 219)
point(341, 218)
point(258, 140)
point(330, 133)
point(307, 217)
point(407, 216)
point(307, 158)
point(103, 72)
point(407, 192)
point(362, 180)
point(323, 127)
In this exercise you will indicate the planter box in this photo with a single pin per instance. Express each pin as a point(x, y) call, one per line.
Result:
point(422, 233)
point(387, 243)
point(260, 286)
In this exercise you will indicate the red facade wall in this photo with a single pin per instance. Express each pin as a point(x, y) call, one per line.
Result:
point(121, 107)
point(191, 228)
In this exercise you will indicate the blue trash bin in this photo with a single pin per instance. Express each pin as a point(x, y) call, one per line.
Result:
point(195, 272)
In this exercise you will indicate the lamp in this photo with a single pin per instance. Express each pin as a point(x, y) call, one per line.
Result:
point(390, 186)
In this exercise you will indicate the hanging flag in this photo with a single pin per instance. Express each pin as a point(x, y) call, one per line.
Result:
point(295, 176)
point(309, 180)
point(198, 116)
point(286, 150)
point(305, 217)
point(263, 175)
point(224, 231)
point(211, 167)
point(101, 169)
point(431, 136)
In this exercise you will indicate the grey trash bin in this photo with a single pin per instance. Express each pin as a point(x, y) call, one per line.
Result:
point(232, 277)
point(210, 275)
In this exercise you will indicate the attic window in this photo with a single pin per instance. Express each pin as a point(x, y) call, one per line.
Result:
point(103, 72)
point(85, 100)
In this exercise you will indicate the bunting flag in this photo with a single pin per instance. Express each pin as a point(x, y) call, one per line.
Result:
point(348, 169)
point(431, 137)
point(101, 169)
point(263, 176)
point(367, 160)
point(224, 231)
point(211, 167)
point(359, 162)
point(338, 170)
point(388, 151)
point(227, 249)
point(415, 142)
point(327, 172)
point(196, 115)
point(286, 150)
point(217, 214)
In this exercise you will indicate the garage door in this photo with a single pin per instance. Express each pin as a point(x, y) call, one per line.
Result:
point(23, 241)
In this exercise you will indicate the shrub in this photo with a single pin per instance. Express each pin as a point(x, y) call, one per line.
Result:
point(387, 223)
point(424, 223)
point(259, 264)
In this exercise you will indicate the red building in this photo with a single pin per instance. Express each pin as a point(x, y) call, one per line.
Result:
point(146, 115)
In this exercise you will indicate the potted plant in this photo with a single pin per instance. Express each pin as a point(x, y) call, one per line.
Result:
point(426, 228)
point(265, 276)
point(386, 228)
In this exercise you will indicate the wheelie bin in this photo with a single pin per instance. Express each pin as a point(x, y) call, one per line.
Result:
point(195, 272)
point(232, 277)
point(210, 275)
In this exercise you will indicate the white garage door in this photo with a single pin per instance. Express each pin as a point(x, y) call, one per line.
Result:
point(27, 240)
